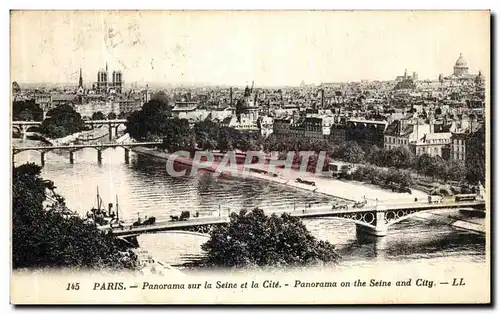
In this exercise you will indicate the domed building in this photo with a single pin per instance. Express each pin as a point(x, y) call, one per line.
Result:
point(460, 67)
point(479, 78)
point(461, 71)
point(15, 87)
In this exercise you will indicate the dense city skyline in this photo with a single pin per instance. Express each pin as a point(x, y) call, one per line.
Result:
point(270, 48)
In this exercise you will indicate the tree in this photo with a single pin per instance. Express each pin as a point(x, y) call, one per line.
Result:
point(161, 96)
point(26, 111)
point(149, 122)
point(62, 121)
point(374, 155)
point(98, 116)
point(43, 237)
point(207, 134)
point(353, 153)
point(247, 141)
point(399, 177)
point(400, 157)
point(26, 115)
point(227, 139)
point(254, 239)
point(177, 135)
point(437, 168)
point(112, 116)
point(423, 164)
point(456, 170)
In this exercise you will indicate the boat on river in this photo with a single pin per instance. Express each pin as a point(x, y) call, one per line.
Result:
point(102, 217)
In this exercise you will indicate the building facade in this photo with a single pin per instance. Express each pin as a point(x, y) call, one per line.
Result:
point(109, 85)
point(458, 146)
point(431, 144)
point(366, 132)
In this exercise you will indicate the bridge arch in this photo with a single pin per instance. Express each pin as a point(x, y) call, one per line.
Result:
point(396, 216)
point(31, 127)
point(117, 126)
point(358, 220)
point(17, 129)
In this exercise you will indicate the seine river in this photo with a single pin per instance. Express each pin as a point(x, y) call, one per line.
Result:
point(144, 188)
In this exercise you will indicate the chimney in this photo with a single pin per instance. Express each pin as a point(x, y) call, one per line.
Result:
point(231, 96)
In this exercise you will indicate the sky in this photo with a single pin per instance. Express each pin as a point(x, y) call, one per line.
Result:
point(272, 48)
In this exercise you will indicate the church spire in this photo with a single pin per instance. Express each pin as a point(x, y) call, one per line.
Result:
point(106, 67)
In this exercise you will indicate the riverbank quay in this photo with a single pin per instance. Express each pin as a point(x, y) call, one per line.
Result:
point(345, 190)
point(85, 136)
point(465, 220)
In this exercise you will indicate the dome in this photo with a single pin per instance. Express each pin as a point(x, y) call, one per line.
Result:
point(15, 87)
point(461, 62)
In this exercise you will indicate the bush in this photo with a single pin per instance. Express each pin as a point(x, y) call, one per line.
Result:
point(254, 239)
point(380, 177)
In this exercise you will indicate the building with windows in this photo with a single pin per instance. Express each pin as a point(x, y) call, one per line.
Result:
point(89, 108)
point(419, 138)
point(458, 144)
point(265, 124)
point(313, 127)
point(107, 85)
point(461, 73)
point(400, 133)
point(432, 144)
point(129, 105)
point(281, 127)
point(117, 82)
point(366, 132)
point(406, 82)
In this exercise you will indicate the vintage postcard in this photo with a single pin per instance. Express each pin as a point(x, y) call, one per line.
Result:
point(250, 157)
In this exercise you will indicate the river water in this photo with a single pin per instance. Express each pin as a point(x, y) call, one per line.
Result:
point(144, 188)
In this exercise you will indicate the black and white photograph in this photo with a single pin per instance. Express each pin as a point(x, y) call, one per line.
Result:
point(250, 157)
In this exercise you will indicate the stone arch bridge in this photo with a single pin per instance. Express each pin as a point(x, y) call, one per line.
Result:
point(24, 126)
point(73, 148)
